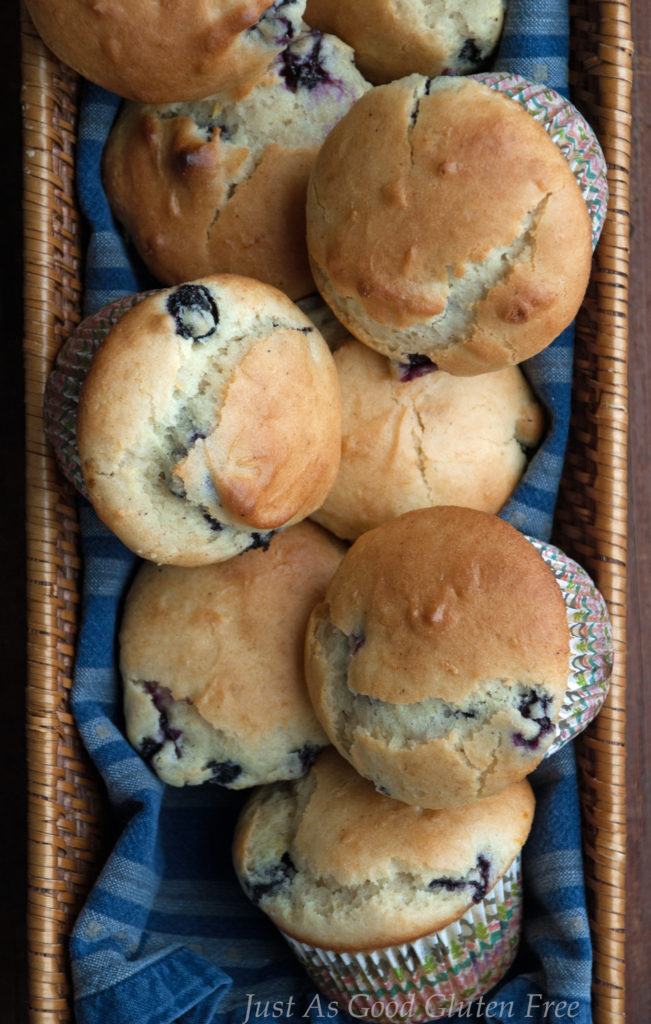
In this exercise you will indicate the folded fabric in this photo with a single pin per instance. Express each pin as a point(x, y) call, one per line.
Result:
point(166, 933)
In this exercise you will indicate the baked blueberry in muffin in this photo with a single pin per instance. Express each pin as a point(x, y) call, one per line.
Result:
point(415, 366)
point(194, 312)
point(303, 68)
point(476, 880)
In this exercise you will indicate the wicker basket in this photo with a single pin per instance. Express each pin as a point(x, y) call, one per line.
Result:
point(66, 812)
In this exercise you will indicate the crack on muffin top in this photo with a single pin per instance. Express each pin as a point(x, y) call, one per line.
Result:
point(178, 433)
point(414, 724)
point(184, 748)
point(423, 89)
point(465, 293)
point(503, 709)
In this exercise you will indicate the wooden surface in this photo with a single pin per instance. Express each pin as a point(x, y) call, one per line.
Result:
point(13, 1005)
point(638, 726)
point(13, 777)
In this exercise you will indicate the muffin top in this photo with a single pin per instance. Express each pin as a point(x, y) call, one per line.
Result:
point(209, 418)
point(336, 864)
point(442, 220)
point(219, 184)
point(438, 661)
point(424, 438)
point(441, 597)
point(227, 640)
point(159, 53)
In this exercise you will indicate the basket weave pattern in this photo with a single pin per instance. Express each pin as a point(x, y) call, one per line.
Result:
point(66, 811)
point(591, 515)
point(64, 804)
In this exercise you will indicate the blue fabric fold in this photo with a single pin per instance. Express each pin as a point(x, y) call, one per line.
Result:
point(176, 988)
point(166, 933)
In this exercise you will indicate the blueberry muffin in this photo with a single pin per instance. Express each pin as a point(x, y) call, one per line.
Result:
point(219, 185)
point(337, 864)
point(438, 661)
point(374, 895)
point(160, 53)
point(209, 419)
point(212, 663)
point(394, 38)
point(421, 438)
point(443, 222)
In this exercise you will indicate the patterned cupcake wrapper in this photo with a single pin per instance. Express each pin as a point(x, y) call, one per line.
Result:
point(571, 133)
point(433, 976)
point(591, 645)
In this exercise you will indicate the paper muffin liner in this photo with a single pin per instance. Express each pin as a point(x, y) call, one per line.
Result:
point(591, 645)
point(432, 976)
point(569, 130)
point(66, 378)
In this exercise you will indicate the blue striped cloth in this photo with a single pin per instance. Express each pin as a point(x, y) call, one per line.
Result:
point(166, 935)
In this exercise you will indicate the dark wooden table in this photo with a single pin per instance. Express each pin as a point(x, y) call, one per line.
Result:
point(13, 967)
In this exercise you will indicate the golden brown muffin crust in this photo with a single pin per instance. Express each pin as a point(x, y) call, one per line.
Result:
point(435, 183)
point(230, 636)
point(436, 439)
point(444, 598)
point(154, 52)
point(438, 662)
point(189, 448)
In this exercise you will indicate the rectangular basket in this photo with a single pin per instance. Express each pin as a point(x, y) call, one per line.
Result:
point(67, 828)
